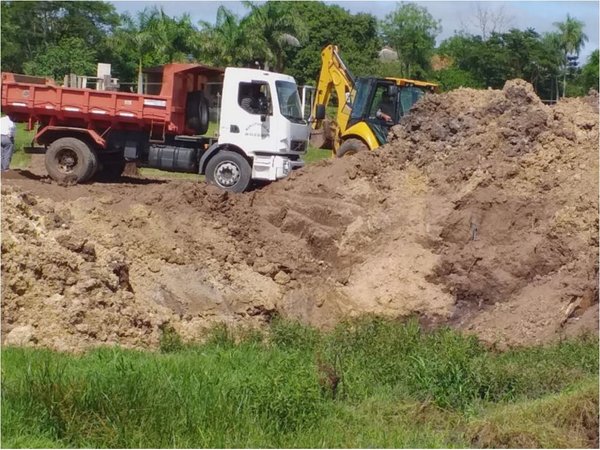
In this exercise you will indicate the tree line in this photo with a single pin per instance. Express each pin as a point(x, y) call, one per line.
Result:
point(60, 37)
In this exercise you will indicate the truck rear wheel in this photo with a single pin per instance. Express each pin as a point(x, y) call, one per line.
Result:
point(351, 147)
point(69, 159)
point(229, 170)
point(196, 112)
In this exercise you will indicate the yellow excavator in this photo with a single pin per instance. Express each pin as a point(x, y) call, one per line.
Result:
point(367, 106)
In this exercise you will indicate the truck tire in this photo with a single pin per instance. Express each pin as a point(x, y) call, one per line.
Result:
point(229, 171)
point(196, 112)
point(351, 147)
point(69, 159)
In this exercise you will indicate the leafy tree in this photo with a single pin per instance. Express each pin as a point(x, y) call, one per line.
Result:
point(355, 34)
point(70, 55)
point(31, 27)
point(589, 72)
point(572, 39)
point(452, 78)
point(411, 31)
point(551, 63)
point(485, 60)
point(514, 54)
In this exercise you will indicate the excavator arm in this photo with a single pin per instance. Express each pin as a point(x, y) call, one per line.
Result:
point(334, 75)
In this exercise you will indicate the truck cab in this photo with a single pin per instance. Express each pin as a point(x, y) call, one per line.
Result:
point(261, 118)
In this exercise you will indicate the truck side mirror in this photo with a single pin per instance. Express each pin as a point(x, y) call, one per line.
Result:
point(392, 90)
point(320, 112)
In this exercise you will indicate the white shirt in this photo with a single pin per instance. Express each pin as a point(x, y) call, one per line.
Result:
point(7, 127)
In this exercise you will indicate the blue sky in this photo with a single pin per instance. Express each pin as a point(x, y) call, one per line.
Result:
point(454, 15)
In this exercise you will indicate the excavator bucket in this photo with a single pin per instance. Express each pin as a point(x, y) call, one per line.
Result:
point(324, 136)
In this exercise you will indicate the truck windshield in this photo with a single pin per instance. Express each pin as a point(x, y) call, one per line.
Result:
point(289, 101)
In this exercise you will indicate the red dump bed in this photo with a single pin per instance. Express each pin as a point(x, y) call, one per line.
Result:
point(34, 99)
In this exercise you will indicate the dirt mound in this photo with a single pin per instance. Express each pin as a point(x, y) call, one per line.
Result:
point(481, 212)
point(521, 180)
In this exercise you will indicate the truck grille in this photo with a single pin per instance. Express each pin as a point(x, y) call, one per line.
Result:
point(298, 146)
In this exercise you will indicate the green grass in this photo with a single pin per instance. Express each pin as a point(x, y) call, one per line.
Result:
point(23, 138)
point(368, 383)
point(316, 154)
point(163, 174)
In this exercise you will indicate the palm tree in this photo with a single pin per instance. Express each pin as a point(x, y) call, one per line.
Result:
point(175, 38)
point(552, 60)
point(227, 42)
point(152, 38)
point(572, 39)
point(277, 28)
point(137, 36)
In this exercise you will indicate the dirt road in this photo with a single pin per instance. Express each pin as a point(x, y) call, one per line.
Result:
point(482, 212)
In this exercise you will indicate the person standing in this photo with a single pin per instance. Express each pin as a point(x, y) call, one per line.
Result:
point(7, 131)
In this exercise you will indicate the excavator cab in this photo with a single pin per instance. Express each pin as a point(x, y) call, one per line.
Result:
point(381, 102)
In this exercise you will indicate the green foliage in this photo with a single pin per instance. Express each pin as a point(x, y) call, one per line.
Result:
point(289, 335)
point(23, 139)
point(151, 38)
point(220, 336)
point(572, 36)
point(64, 37)
point(453, 78)
point(589, 73)
point(504, 56)
point(554, 421)
point(70, 55)
point(170, 341)
point(400, 387)
point(411, 31)
point(227, 42)
point(30, 28)
point(355, 34)
point(316, 154)
point(275, 28)
point(571, 39)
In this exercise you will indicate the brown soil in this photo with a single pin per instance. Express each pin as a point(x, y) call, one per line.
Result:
point(481, 213)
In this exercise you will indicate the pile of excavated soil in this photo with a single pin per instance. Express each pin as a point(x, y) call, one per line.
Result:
point(481, 213)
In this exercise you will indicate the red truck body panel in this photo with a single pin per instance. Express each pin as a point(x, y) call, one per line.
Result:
point(34, 99)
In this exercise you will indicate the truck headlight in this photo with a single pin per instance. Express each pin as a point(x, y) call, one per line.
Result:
point(287, 167)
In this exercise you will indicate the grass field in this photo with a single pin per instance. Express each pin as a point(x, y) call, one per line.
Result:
point(368, 383)
point(23, 138)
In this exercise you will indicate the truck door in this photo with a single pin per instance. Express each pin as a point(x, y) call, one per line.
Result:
point(250, 127)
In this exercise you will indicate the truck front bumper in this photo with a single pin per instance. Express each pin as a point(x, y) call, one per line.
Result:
point(273, 167)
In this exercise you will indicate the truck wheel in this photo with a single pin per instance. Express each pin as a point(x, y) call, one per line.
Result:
point(196, 112)
point(229, 171)
point(351, 147)
point(70, 159)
